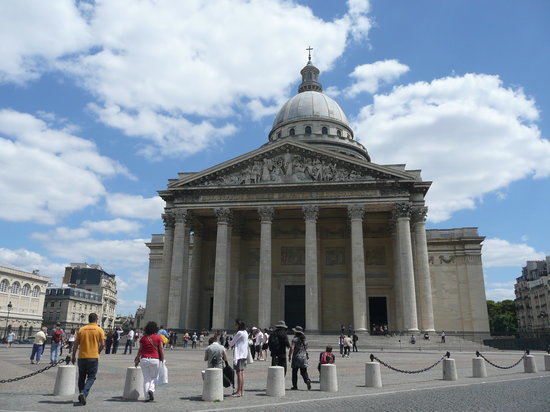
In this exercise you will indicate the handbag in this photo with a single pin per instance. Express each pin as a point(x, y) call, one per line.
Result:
point(228, 376)
point(163, 373)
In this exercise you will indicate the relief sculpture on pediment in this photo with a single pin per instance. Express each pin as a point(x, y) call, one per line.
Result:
point(288, 168)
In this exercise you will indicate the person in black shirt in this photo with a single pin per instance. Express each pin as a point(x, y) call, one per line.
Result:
point(278, 343)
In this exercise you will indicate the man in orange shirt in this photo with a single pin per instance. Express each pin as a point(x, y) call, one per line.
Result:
point(90, 341)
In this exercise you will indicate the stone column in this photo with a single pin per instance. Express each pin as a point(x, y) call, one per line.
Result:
point(235, 273)
point(423, 270)
point(359, 291)
point(179, 267)
point(264, 292)
point(157, 290)
point(408, 297)
point(192, 313)
point(220, 271)
point(312, 285)
point(397, 283)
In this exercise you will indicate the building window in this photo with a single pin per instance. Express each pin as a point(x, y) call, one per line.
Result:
point(4, 286)
point(324, 130)
point(339, 133)
point(308, 130)
point(279, 135)
point(292, 132)
point(26, 290)
point(35, 292)
point(15, 288)
point(57, 316)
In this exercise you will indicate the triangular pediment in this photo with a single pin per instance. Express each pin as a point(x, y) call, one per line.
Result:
point(289, 162)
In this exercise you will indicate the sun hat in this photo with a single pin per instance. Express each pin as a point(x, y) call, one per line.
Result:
point(298, 329)
point(281, 324)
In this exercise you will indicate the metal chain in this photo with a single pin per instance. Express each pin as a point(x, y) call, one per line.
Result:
point(67, 360)
point(501, 367)
point(410, 372)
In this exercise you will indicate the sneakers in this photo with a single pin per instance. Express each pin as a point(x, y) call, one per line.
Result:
point(32, 362)
point(308, 383)
point(294, 388)
point(82, 399)
point(151, 396)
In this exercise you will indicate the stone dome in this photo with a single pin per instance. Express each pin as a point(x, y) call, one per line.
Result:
point(314, 118)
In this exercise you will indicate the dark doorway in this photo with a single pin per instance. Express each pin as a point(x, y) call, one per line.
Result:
point(211, 313)
point(295, 306)
point(378, 311)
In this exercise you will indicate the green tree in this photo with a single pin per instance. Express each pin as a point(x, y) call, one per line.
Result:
point(502, 317)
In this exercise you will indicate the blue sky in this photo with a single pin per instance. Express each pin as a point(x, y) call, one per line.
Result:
point(102, 102)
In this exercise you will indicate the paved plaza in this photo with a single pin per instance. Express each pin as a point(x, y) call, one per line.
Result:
point(400, 391)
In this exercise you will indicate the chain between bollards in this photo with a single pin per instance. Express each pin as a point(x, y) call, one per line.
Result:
point(373, 358)
point(67, 360)
point(479, 355)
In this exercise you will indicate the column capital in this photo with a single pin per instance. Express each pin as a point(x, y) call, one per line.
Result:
point(168, 219)
point(419, 214)
point(311, 212)
point(181, 215)
point(223, 214)
point(266, 213)
point(356, 211)
point(402, 210)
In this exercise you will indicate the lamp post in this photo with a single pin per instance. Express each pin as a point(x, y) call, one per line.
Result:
point(7, 319)
point(543, 316)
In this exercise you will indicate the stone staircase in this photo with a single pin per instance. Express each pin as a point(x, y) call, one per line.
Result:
point(400, 343)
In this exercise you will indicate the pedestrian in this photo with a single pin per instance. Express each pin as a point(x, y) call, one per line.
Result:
point(350, 329)
point(129, 341)
point(38, 345)
point(109, 342)
point(58, 336)
point(215, 354)
point(442, 336)
point(149, 357)
point(413, 339)
point(240, 355)
point(341, 344)
point(11, 338)
point(89, 342)
point(70, 340)
point(172, 339)
point(194, 340)
point(137, 335)
point(201, 339)
point(186, 339)
point(355, 338)
point(265, 344)
point(116, 338)
point(278, 343)
point(258, 343)
point(163, 331)
point(348, 343)
point(298, 357)
point(326, 357)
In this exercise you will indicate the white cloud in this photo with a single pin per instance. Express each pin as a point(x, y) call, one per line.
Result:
point(35, 33)
point(28, 261)
point(468, 134)
point(47, 172)
point(112, 226)
point(138, 207)
point(499, 294)
point(368, 77)
point(500, 252)
point(128, 306)
point(171, 72)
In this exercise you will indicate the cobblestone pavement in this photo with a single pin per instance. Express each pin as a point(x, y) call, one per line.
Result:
point(400, 391)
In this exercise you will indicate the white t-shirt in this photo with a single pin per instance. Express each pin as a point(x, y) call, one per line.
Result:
point(259, 338)
point(130, 336)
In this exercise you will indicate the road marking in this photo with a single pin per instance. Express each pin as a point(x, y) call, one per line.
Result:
point(368, 394)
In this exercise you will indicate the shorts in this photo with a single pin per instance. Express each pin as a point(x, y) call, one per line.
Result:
point(240, 365)
point(265, 346)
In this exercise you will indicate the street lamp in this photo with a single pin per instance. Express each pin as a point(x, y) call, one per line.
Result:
point(7, 319)
point(543, 316)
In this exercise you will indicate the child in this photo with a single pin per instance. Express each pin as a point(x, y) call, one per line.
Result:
point(326, 357)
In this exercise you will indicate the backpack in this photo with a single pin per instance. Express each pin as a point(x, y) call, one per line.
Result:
point(57, 334)
point(273, 342)
point(326, 357)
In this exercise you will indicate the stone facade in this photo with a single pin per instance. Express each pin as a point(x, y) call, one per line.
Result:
point(70, 307)
point(307, 229)
point(25, 291)
point(532, 290)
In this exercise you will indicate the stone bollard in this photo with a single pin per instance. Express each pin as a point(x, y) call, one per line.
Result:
point(212, 386)
point(275, 381)
point(329, 378)
point(529, 365)
point(478, 368)
point(547, 362)
point(449, 370)
point(373, 379)
point(133, 387)
point(65, 380)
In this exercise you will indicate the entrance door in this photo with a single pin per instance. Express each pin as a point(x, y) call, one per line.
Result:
point(295, 306)
point(378, 311)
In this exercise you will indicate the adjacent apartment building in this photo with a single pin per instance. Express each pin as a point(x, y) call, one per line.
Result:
point(93, 278)
point(70, 306)
point(532, 290)
point(21, 301)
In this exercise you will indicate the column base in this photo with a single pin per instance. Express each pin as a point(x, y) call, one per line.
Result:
point(428, 330)
point(414, 330)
